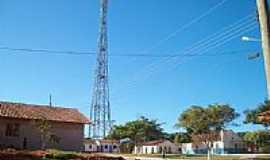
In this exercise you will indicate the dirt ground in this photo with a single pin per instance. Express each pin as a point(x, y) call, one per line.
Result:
point(47, 155)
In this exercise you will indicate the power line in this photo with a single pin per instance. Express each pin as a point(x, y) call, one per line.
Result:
point(224, 41)
point(56, 52)
point(214, 39)
point(206, 42)
point(217, 39)
point(221, 41)
point(30, 50)
point(201, 44)
point(185, 26)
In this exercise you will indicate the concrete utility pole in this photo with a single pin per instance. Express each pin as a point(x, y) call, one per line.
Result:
point(262, 6)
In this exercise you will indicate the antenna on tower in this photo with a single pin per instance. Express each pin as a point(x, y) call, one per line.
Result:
point(50, 100)
point(100, 112)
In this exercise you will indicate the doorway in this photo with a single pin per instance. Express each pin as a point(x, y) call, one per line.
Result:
point(24, 143)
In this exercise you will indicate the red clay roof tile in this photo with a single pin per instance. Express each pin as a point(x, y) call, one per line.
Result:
point(153, 143)
point(35, 112)
point(265, 116)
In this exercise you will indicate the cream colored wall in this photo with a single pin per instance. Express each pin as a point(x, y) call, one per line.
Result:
point(71, 135)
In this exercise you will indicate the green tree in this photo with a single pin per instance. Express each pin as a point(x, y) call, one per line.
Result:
point(185, 138)
point(261, 139)
point(252, 115)
point(139, 131)
point(205, 124)
point(118, 132)
point(44, 128)
point(179, 137)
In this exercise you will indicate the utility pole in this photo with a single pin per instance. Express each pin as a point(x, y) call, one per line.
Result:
point(262, 6)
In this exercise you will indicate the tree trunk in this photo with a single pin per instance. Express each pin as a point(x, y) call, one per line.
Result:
point(43, 142)
point(209, 151)
point(43, 145)
point(208, 154)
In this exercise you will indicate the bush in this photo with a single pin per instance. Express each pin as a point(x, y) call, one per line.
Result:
point(62, 156)
point(265, 149)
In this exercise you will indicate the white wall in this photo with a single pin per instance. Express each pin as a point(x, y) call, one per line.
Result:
point(229, 140)
point(187, 148)
point(173, 147)
point(149, 149)
point(191, 148)
point(90, 147)
point(156, 148)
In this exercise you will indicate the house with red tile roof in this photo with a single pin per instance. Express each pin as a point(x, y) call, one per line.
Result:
point(228, 142)
point(157, 147)
point(19, 127)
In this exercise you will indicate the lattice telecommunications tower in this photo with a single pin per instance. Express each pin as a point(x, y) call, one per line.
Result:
point(100, 108)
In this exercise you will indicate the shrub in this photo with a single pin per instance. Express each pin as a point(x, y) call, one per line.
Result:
point(62, 156)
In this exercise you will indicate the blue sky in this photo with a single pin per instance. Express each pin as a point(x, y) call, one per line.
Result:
point(154, 87)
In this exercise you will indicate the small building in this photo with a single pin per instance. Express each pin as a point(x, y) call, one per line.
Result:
point(106, 146)
point(157, 147)
point(229, 142)
point(19, 127)
point(265, 117)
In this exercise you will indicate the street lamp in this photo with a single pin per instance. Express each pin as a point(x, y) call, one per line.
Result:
point(250, 39)
point(252, 56)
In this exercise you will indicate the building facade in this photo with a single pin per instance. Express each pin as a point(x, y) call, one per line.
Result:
point(106, 146)
point(157, 147)
point(20, 127)
point(264, 117)
point(229, 142)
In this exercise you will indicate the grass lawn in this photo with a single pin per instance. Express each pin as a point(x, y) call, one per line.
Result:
point(62, 155)
point(53, 155)
point(192, 157)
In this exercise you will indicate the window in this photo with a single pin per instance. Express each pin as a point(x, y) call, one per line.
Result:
point(114, 146)
point(12, 130)
point(106, 146)
point(54, 139)
point(153, 150)
point(160, 149)
point(90, 146)
point(24, 143)
point(110, 148)
point(170, 150)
